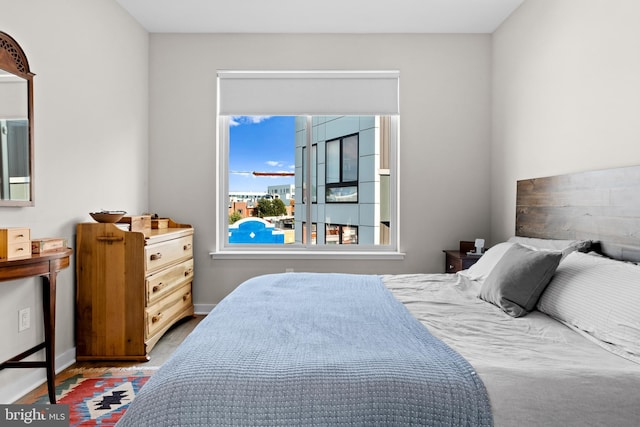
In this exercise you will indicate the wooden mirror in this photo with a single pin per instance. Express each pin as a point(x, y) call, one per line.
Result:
point(16, 125)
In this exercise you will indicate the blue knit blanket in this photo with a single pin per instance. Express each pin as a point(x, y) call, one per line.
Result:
point(307, 349)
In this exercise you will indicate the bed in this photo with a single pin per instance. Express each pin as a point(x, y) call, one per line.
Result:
point(543, 330)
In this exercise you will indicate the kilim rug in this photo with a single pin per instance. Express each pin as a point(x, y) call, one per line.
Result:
point(96, 397)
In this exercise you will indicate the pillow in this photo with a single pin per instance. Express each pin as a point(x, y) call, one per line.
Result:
point(565, 246)
point(600, 298)
point(481, 269)
point(518, 279)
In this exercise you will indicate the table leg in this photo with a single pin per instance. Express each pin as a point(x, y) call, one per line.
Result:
point(49, 309)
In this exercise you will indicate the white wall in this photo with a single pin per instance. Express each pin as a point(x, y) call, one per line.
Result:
point(566, 94)
point(445, 103)
point(91, 145)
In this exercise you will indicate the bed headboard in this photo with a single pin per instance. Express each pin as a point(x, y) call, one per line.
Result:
point(602, 205)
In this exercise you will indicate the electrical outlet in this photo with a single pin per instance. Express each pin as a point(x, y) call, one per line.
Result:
point(24, 319)
point(288, 270)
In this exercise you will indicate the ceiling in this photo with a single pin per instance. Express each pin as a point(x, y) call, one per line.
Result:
point(321, 16)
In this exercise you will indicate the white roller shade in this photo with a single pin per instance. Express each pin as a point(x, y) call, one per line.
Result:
point(308, 92)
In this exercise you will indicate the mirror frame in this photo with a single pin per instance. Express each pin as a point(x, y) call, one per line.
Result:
point(14, 60)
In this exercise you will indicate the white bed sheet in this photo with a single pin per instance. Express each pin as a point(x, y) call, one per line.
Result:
point(537, 371)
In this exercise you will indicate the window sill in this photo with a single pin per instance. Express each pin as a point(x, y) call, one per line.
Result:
point(287, 255)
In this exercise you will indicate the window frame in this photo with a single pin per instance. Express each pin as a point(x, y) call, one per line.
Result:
point(224, 250)
point(355, 93)
point(314, 173)
point(314, 228)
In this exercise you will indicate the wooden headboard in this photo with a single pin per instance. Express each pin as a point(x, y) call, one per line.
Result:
point(602, 205)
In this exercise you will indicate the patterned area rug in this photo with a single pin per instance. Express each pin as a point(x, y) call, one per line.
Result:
point(95, 397)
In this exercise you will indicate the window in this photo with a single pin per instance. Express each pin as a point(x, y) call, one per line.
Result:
point(341, 234)
point(342, 170)
point(313, 233)
point(335, 169)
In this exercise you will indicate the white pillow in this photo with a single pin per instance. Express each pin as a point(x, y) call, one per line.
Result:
point(600, 298)
point(481, 269)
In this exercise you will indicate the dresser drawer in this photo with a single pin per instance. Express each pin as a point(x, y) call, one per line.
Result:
point(17, 250)
point(456, 261)
point(18, 235)
point(166, 281)
point(166, 253)
point(167, 309)
point(453, 264)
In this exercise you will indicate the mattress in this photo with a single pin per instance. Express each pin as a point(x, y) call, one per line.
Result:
point(537, 371)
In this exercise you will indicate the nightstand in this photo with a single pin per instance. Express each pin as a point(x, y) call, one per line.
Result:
point(456, 260)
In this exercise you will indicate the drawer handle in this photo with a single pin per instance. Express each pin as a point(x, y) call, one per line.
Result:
point(155, 257)
point(20, 235)
point(20, 249)
point(188, 272)
point(157, 287)
point(156, 318)
point(186, 296)
point(186, 247)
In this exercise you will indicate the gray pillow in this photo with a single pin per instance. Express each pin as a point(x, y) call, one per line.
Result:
point(518, 279)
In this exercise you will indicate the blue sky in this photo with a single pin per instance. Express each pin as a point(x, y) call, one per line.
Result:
point(262, 144)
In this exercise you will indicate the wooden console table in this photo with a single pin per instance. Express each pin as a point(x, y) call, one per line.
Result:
point(46, 266)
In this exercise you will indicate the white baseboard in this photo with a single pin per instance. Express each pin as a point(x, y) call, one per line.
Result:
point(203, 308)
point(33, 378)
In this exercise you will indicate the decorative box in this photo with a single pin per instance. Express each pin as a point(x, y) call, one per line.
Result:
point(160, 223)
point(137, 223)
point(48, 244)
point(15, 242)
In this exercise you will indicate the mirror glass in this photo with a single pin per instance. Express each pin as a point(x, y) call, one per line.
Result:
point(16, 125)
point(15, 171)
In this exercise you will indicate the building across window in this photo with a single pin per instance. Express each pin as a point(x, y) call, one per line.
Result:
point(350, 151)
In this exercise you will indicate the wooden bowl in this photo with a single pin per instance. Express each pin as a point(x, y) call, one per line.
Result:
point(110, 217)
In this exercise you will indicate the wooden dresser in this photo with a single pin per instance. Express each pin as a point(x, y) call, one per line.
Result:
point(131, 288)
